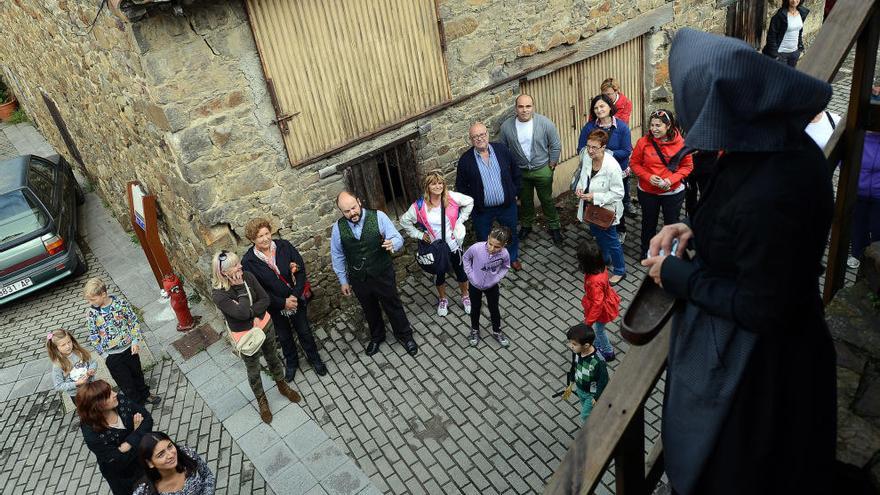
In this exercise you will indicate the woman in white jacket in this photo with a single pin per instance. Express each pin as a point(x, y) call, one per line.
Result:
point(422, 221)
point(601, 184)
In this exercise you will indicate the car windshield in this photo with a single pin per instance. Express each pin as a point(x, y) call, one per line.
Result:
point(19, 215)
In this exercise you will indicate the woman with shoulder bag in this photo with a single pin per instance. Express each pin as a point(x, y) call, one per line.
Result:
point(243, 303)
point(600, 189)
point(422, 221)
point(661, 163)
point(280, 269)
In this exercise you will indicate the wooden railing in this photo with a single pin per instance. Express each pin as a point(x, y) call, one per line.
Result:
point(616, 427)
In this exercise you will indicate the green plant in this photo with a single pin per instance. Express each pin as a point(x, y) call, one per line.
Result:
point(18, 117)
point(134, 238)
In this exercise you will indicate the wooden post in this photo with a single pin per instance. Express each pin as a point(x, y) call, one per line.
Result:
point(854, 141)
point(629, 458)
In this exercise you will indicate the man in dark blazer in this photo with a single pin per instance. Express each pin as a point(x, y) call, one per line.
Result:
point(487, 173)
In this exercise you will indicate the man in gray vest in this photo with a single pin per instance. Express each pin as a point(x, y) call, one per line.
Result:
point(361, 244)
point(534, 143)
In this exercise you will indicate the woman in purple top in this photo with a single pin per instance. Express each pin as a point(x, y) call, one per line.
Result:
point(866, 217)
point(485, 264)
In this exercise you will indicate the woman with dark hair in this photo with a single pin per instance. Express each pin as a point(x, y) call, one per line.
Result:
point(601, 184)
point(172, 470)
point(661, 163)
point(280, 269)
point(112, 427)
point(603, 115)
point(785, 36)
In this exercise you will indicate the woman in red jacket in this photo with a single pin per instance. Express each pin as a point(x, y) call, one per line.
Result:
point(660, 164)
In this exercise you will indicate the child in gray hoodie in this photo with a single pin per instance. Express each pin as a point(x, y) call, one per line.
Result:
point(485, 264)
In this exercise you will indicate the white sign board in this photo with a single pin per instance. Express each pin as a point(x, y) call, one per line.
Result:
point(137, 200)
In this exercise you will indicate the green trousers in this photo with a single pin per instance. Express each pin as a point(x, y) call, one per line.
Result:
point(540, 180)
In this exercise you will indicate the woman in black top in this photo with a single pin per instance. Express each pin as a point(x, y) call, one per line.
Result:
point(282, 272)
point(243, 302)
point(112, 427)
point(779, 26)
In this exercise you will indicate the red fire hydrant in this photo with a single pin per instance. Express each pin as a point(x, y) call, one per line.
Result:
point(174, 289)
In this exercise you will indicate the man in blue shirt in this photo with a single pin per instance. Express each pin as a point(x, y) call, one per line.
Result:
point(361, 244)
point(487, 173)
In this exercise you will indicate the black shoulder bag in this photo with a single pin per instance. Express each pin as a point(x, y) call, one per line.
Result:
point(433, 256)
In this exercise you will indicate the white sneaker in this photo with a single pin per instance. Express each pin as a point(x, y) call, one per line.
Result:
point(466, 303)
point(622, 237)
point(853, 262)
point(443, 307)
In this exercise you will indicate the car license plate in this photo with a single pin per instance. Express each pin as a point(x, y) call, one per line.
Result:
point(10, 289)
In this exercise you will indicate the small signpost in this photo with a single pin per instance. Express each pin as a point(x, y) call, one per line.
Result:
point(142, 210)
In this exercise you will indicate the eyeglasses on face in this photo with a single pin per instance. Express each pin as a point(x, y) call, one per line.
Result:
point(595, 148)
point(481, 135)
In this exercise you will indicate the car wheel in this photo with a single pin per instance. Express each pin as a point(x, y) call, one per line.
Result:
point(82, 265)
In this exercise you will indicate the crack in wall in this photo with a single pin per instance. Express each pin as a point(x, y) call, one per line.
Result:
point(204, 37)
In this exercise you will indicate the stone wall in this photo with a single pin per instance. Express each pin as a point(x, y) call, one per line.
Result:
point(180, 103)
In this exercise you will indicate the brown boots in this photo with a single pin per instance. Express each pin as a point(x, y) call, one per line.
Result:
point(286, 391)
point(263, 402)
point(265, 413)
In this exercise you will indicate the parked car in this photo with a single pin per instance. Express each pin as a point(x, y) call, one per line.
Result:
point(39, 198)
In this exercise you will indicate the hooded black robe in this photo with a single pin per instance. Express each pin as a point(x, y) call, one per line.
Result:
point(750, 404)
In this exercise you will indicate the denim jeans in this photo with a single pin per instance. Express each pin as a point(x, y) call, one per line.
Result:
point(506, 216)
point(602, 342)
point(609, 243)
point(586, 403)
point(790, 58)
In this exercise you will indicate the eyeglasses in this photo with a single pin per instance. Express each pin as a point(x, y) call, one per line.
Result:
point(222, 258)
point(595, 148)
point(482, 135)
point(662, 115)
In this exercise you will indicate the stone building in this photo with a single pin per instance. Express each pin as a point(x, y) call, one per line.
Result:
point(230, 109)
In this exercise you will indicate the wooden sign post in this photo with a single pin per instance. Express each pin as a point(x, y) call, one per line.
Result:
point(142, 211)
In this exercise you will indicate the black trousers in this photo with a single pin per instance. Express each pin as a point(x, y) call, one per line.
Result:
point(651, 206)
point(492, 296)
point(125, 368)
point(284, 328)
point(377, 294)
point(455, 266)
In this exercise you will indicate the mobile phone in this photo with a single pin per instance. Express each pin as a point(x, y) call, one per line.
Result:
point(673, 249)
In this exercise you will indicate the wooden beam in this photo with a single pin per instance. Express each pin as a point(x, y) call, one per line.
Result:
point(629, 458)
point(873, 120)
point(838, 33)
point(854, 141)
point(654, 465)
point(620, 404)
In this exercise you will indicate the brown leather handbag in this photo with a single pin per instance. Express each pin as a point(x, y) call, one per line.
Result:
point(598, 216)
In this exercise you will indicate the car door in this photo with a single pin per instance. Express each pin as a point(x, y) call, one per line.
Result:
point(43, 179)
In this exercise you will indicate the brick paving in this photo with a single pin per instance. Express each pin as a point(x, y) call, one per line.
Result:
point(42, 451)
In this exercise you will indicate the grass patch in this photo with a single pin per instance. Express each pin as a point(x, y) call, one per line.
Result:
point(18, 117)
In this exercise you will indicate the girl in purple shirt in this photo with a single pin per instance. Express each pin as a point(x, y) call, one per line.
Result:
point(485, 264)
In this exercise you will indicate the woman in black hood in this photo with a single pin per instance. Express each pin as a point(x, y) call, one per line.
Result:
point(750, 399)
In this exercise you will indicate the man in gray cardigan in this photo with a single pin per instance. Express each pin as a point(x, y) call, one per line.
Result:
point(534, 143)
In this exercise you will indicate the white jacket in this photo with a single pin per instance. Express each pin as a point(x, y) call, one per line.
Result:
point(409, 220)
point(606, 186)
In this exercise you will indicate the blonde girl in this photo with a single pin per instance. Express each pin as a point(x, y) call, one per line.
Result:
point(72, 365)
point(423, 221)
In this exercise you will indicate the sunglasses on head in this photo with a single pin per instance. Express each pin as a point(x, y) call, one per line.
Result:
point(223, 256)
point(662, 115)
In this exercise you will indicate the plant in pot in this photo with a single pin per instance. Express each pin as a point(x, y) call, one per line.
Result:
point(8, 103)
